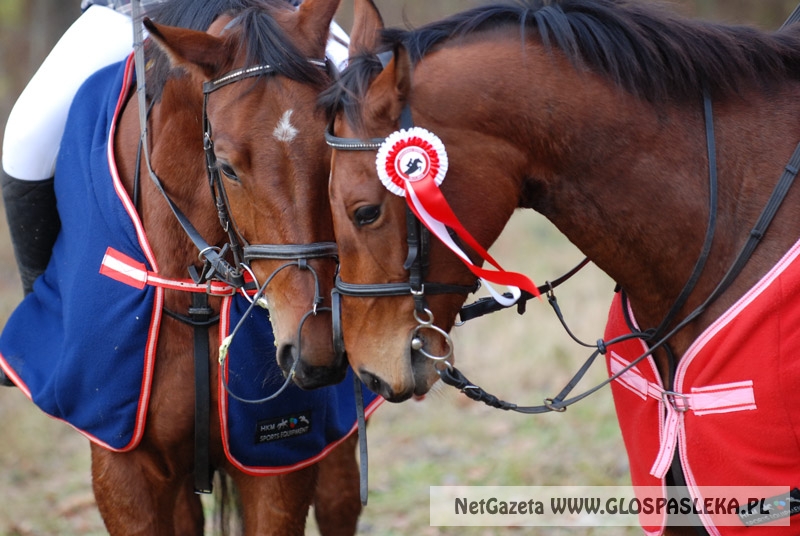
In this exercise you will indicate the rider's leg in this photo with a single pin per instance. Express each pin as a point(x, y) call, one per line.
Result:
point(33, 224)
point(35, 125)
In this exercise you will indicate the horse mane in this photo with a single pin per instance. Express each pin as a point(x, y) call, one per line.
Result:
point(264, 41)
point(643, 48)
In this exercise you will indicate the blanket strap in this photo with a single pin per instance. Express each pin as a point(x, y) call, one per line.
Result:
point(200, 313)
point(362, 441)
point(125, 269)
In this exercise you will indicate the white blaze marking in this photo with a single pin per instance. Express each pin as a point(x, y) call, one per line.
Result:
point(285, 131)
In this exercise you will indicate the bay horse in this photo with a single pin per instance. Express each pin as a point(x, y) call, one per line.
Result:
point(649, 140)
point(254, 76)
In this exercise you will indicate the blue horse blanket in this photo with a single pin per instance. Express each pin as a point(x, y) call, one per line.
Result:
point(82, 346)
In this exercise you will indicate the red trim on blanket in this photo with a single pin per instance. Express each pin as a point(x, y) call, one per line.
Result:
point(158, 302)
point(122, 193)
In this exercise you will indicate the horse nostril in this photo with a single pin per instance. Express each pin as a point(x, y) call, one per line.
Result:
point(376, 385)
point(379, 386)
point(286, 357)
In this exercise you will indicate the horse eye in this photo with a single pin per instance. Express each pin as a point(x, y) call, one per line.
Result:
point(228, 171)
point(367, 214)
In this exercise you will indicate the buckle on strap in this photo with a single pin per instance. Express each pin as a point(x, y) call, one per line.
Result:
point(677, 401)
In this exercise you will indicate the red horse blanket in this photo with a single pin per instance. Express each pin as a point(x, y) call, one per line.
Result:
point(734, 415)
point(82, 346)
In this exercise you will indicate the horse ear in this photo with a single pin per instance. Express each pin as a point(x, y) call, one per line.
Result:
point(315, 17)
point(186, 48)
point(367, 24)
point(402, 73)
point(391, 88)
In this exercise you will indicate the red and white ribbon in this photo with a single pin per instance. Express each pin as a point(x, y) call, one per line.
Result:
point(412, 163)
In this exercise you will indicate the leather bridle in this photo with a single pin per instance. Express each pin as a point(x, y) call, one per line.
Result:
point(242, 251)
point(215, 264)
point(416, 263)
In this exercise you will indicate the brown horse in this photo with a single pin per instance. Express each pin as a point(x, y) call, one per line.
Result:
point(269, 182)
point(262, 63)
point(592, 113)
point(291, 294)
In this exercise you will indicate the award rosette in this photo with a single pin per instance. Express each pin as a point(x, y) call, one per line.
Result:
point(412, 163)
point(411, 156)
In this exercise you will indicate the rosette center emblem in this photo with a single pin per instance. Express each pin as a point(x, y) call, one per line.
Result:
point(412, 163)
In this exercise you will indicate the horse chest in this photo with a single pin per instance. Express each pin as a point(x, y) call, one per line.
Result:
point(732, 416)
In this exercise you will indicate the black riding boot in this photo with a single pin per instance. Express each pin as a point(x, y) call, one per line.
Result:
point(33, 224)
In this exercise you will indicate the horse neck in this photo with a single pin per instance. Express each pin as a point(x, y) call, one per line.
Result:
point(625, 180)
point(641, 183)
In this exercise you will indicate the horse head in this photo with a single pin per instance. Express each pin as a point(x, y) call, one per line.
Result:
point(254, 78)
point(394, 339)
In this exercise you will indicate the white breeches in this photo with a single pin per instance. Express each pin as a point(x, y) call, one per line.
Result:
point(99, 37)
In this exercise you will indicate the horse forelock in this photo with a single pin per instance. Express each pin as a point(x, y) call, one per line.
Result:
point(645, 49)
point(264, 41)
point(268, 44)
point(347, 93)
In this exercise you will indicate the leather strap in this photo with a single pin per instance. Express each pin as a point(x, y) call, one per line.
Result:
point(711, 148)
point(290, 251)
point(362, 441)
point(368, 290)
point(200, 313)
point(794, 17)
point(487, 305)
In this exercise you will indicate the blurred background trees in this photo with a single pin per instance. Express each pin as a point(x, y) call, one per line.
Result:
point(29, 28)
point(763, 13)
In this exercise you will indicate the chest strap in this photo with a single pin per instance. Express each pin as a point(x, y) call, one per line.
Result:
point(711, 399)
point(124, 269)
